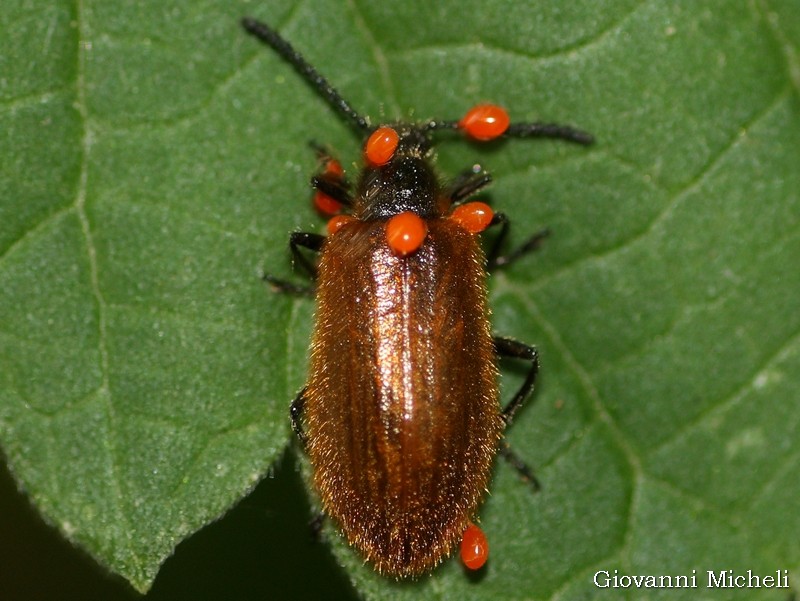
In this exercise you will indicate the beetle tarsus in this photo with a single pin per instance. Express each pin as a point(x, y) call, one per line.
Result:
point(287, 287)
point(522, 468)
point(533, 243)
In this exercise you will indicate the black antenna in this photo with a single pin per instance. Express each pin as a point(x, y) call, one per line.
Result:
point(530, 130)
point(269, 36)
point(516, 130)
point(549, 130)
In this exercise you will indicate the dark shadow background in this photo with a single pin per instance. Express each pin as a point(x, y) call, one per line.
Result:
point(262, 549)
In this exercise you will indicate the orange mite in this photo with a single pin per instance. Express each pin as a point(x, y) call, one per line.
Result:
point(400, 415)
point(474, 548)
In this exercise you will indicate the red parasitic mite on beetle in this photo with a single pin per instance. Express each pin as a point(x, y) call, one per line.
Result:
point(400, 415)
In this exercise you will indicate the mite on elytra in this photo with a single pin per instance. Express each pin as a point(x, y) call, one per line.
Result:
point(400, 415)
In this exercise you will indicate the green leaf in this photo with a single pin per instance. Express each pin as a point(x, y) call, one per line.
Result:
point(155, 158)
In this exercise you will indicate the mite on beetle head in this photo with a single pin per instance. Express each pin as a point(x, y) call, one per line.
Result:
point(400, 414)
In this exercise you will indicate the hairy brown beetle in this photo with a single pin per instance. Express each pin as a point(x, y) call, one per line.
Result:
point(400, 414)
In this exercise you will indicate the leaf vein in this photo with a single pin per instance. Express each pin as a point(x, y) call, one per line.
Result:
point(17, 103)
point(579, 46)
point(678, 196)
point(790, 53)
point(34, 229)
point(737, 394)
point(86, 140)
point(785, 472)
point(587, 383)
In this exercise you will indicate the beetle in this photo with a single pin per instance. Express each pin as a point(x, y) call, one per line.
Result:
point(400, 414)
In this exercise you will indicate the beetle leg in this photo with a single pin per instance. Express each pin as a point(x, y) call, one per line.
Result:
point(324, 156)
point(296, 415)
point(296, 240)
point(333, 186)
point(287, 286)
point(306, 240)
point(508, 347)
point(330, 180)
point(495, 259)
point(467, 183)
point(518, 464)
